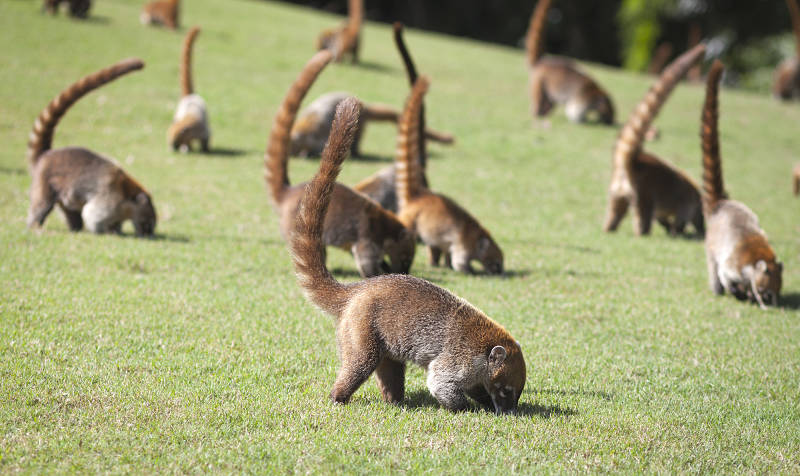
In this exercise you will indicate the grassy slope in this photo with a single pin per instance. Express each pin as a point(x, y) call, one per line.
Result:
point(198, 351)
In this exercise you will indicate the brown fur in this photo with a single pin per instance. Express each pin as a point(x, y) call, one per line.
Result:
point(655, 188)
point(77, 8)
point(796, 180)
point(660, 58)
point(190, 122)
point(738, 255)
point(354, 223)
point(554, 80)
point(440, 223)
point(88, 188)
point(787, 75)
point(346, 39)
point(383, 322)
point(161, 12)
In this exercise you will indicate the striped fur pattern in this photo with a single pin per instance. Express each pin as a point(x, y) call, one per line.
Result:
point(190, 122)
point(786, 85)
point(41, 137)
point(409, 178)
point(186, 61)
point(386, 321)
point(739, 257)
point(656, 189)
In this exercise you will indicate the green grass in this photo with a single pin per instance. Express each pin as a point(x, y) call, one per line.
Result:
point(197, 352)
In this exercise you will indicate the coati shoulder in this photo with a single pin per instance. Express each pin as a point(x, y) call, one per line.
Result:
point(653, 187)
point(355, 223)
point(442, 225)
point(344, 40)
point(786, 84)
point(386, 321)
point(161, 12)
point(739, 257)
point(190, 123)
point(90, 189)
point(77, 8)
point(554, 80)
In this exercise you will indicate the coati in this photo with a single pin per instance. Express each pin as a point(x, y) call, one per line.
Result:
point(554, 80)
point(89, 188)
point(652, 186)
point(385, 321)
point(787, 74)
point(77, 8)
point(440, 223)
point(161, 12)
point(190, 123)
point(381, 185)
point(345, 39)
point(313, 125)
point(739, 257)
point(659, 59)
point(355, 223)
point(796, 179)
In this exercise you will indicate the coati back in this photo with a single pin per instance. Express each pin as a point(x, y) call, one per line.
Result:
point(655, 188)
point(77, 8)
point(787, 74)
point(190, 123)
point(345, 39)
point(554, 80)
point(88, 188)
point(355, 223)
point(439, 222)
point(739, 257)
point(161, 12)
point(386, 321)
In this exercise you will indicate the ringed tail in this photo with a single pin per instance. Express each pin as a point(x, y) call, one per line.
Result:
point(633, 132)
point(713, 188)
point(409, 178)
point(794, 14)
point(186, 61)
point(306, 247)
point(533, 40)
point(411, 70)
point(40, 139)
point(277, 154)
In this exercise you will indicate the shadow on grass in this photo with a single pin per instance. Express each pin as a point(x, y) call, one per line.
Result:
point(789, 301)
point(584, 393)
point(345, 273)
point(225, 152)
point(423, 399)
point(13, 171)
point(372, 66)
point(543, 411)
point(95, 19)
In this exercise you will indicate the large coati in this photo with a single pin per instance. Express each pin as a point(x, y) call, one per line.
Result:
point(313, 125)
point(346, 39)
point(652, 186)
point(385, 321)
point(190, 123)
point(161, 12)
point(739, 257)
point(442, 225)
point(355, 223)
point(787, 74)
point(554, 80)
point(77, 8)
point(89, 189)
point(381, 185)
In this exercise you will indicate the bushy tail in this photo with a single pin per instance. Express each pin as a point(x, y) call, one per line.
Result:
point(632, 134)
point(40, 139)
point(186, 61)
point(533, 40)
point(411, 71)
point(409, 179)
point(277, 155)
point(794, 14)
point(307, 249)
point(713, 188)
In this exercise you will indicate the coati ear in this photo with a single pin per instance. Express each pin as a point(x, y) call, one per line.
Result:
point(761, 265)
point(497, 355)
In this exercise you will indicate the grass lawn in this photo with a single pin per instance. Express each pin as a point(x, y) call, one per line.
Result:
point(197, 352)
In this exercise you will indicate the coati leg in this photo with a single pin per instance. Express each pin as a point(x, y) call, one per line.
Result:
point(460, 258)
point(699, 223)
point(42, 201)
point(368, 256)
point(359, 356)
point(434, 254)
point(665, 224)
point(713, 277)
point(204, 144)
point(74, 219)
point(444, 386)
point(479, 394)
point(617, 208)
point(541, 104)
point(643, 218)
point(447, 260)
point(391, 377)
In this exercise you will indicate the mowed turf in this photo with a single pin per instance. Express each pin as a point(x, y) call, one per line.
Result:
point(197, 352)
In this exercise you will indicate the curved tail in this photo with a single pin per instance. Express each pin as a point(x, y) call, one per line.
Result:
point(533, 40)
point(307, 249)
point(632, 134)
point(40, 139)
point(277, 154)
point(794, 14)
point(713, 188)
point(349, 37)
point(409, 178)
point(186, 61)
point(411, 70)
